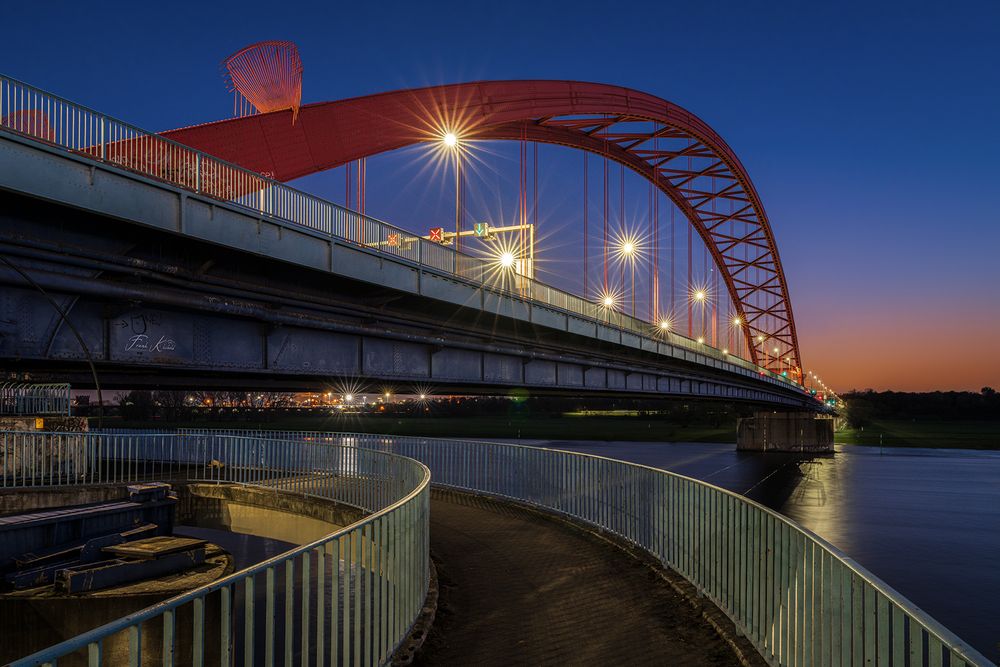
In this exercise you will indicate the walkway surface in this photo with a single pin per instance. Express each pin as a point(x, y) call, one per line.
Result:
point(520, 588)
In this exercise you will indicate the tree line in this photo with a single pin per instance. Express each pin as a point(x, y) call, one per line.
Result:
point(865, 406)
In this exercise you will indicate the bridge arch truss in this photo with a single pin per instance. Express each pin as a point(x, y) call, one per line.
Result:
point(665, 144)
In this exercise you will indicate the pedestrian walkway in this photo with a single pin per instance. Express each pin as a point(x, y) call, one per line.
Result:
point(521, 588)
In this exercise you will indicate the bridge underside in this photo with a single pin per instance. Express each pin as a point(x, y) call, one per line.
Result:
point(167, 290)
point(157, 309)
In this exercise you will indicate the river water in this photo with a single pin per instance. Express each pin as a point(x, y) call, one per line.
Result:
point(926, 521)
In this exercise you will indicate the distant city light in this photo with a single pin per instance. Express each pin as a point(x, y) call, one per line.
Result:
point(423, 396)
point(348, 397)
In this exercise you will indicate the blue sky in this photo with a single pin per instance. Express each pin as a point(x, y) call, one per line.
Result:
point(869, 129)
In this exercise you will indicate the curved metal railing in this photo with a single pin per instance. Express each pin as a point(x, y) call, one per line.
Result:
point(24, 398)
point(796, 597)
point(349, 597)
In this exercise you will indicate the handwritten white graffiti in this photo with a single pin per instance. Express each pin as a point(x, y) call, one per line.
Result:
point(142, 342)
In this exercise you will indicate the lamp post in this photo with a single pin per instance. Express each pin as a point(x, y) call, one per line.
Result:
point(699, 297)
point(628, 253)
point(451, 143)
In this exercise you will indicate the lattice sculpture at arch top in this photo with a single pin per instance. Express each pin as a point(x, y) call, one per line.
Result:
point(265, 77)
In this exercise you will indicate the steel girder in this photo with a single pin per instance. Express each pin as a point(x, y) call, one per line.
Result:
point(666, 144)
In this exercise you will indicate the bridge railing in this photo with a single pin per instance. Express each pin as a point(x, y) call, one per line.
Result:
point(49, 118)
point(22, 398)
point(348, 598)
point(796, 597)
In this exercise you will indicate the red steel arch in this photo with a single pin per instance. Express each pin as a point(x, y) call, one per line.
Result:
point(671, 147)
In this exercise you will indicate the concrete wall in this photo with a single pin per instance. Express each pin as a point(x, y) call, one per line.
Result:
point(785, 432)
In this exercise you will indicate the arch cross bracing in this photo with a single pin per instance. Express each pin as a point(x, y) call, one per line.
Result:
point(666, 144)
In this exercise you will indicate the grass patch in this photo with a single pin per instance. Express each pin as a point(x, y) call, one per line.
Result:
point(925, 433)
point(529, 427)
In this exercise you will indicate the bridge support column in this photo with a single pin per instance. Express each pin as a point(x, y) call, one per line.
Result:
point(785, 432)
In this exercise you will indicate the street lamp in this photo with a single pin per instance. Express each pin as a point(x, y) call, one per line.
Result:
point(628, 252)
point(450, 142)
point(698, 296)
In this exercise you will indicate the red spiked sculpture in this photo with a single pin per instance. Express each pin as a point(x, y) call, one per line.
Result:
point(268, 76)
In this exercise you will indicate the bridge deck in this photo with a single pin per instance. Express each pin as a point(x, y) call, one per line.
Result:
point(520, 588)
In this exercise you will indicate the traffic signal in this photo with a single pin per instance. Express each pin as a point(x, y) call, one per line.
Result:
point(482, 230)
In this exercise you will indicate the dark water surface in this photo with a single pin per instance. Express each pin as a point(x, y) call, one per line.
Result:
point(926, 521)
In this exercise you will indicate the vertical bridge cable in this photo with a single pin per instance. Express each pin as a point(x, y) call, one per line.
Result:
point(673, 263)
point(362, 183)
point(705, 282)
point(690, 284)
point(534, 188)
point(605, 251)
point(690, 263)
point(534, 214)
point(586, 204)
point(715, 281)
point(651, 288)
point(457, 156)
point(348, 184)
point(654, 223)
point(621, 234)
point(523, 201)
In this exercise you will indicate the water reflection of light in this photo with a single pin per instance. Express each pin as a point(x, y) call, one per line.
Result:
point(819, 499)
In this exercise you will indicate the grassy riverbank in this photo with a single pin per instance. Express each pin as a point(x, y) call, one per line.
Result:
point(968, 434)
point(537, 427)
point(950, 434)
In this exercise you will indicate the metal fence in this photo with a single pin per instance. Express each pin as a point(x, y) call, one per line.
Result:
point(348, 598)
point(20, 398)
point(45, 117)
point(797, 598)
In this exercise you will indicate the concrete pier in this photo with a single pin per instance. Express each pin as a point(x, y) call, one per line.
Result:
point(785, 432)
